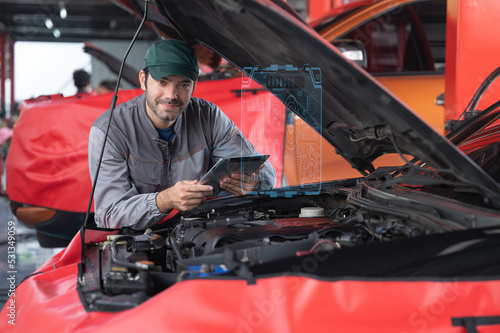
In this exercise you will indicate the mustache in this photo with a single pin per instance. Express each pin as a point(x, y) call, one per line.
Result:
point(170, 101)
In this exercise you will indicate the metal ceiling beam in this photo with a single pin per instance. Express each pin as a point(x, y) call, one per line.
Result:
point(89, 20)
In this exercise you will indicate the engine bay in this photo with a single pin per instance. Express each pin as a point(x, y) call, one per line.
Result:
point(347, 228)
point(233, 238)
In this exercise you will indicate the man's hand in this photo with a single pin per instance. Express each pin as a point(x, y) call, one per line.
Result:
point(184, 195)
point(239, 185)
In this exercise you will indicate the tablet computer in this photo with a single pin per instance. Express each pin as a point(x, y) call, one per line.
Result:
point(224, 167)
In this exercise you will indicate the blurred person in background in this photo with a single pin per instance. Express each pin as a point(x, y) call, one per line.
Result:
point(82, 83)
point(106, 86)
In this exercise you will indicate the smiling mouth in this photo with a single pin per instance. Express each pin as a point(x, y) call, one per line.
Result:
point(169, 106)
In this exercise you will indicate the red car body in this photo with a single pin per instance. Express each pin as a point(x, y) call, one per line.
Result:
point(49, 155)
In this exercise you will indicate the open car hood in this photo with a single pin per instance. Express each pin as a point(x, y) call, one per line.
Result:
point(354, 113)
point(129, 73)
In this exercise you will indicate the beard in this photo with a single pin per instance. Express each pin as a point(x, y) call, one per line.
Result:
point(162, 114)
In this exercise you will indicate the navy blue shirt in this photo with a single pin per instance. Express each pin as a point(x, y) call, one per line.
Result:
point(166, 134)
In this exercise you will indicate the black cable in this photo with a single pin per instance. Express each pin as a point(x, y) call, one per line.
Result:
point(112, 108)
point(123, 263)
point(479, 93)
point(464, 181)
point(411, 163)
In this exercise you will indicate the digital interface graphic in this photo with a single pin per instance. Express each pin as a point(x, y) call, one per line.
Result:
point(284, 133)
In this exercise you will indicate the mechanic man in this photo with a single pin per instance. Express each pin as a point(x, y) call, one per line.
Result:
point(161, 143)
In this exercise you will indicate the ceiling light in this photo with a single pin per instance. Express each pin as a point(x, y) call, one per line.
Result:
point(56, 33)
point(48, 23)
point(62, 10)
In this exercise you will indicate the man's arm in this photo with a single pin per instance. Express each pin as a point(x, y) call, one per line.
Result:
point(118, 203)
point(116, 200)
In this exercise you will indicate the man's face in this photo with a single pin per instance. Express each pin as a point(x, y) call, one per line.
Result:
point(166, 98)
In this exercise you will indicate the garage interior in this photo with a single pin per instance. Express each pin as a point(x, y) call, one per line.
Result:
point(110, 26)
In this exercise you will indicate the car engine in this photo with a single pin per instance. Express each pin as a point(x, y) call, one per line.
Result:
point(233, 237)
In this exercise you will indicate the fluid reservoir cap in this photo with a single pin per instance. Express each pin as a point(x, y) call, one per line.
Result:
point(312, 212)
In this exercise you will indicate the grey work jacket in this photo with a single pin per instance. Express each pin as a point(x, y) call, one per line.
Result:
point(137, 164)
